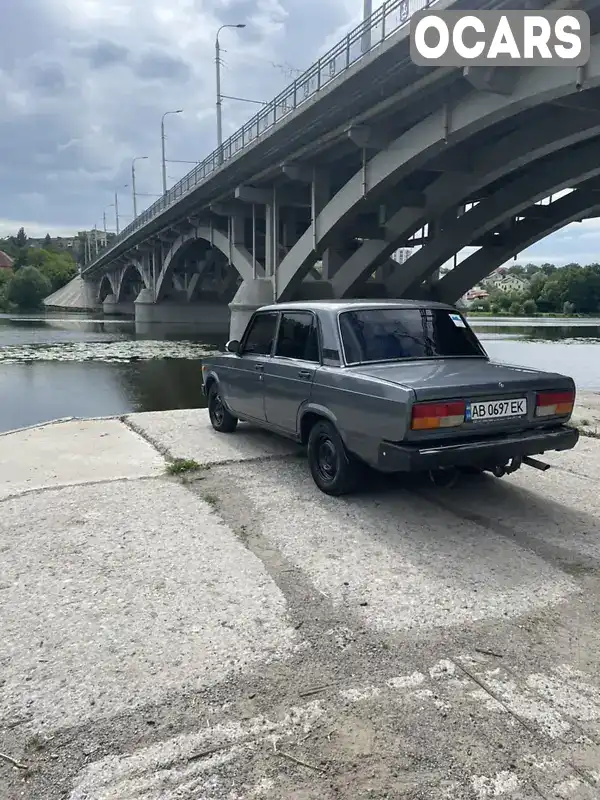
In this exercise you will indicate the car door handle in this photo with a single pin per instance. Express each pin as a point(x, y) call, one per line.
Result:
point(304, 373)
point(259, 367)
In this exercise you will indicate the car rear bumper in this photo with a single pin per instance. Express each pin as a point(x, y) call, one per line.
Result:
point(492, 451)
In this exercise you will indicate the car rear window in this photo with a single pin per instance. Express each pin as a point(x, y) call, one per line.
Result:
point(387, 334)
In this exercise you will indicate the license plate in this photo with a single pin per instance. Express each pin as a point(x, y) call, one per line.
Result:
point(496, 409)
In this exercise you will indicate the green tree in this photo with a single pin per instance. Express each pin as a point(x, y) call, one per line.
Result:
point(503, 300)
point(21, 238)
point(516, 309)
point(568, 309)
point(530, 308)
point(20, 258)
point(5, 278)
point(47, 241)
point(28, 288)
point(59, 268)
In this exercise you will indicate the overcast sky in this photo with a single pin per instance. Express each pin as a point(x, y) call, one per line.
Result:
point(84, 84)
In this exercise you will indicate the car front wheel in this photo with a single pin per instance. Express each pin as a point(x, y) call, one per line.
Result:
point(220, 418)
point(333, 469)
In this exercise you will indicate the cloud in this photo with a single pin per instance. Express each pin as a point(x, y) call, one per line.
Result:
point(84, 84)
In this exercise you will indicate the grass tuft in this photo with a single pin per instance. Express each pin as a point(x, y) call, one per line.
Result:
point(180, 466)
point(211, 499)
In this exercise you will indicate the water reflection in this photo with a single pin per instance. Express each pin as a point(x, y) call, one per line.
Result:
point(159, 386)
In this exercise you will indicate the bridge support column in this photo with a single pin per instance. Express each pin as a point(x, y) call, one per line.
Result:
point(272, 235)
point(332, 262)
point(290, 226)
point(436, 228)
point(250, 296)
point(109, 305)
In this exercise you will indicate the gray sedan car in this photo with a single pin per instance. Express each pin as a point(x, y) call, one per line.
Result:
point(397, 385)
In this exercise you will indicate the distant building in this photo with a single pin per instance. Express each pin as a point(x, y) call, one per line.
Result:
point(56, 242)
point(474, 294)
point(403, 254)
point(507, 283)
point(6, 261)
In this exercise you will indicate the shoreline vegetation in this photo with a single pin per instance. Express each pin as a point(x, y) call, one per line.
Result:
point(537, 315)
point(544, 290)
point(35, 273)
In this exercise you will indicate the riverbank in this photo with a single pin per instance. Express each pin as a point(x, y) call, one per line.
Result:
point(233, 633)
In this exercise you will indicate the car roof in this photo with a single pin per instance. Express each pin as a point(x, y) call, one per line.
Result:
point(347, 305)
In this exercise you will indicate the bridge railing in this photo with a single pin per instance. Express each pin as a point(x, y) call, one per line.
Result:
point(385, 21)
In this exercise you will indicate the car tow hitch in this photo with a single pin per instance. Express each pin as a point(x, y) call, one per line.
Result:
point(536, 463)
point(515, 463)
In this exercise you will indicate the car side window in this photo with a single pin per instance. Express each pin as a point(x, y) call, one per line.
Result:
point(259, 339)
point(298, 337)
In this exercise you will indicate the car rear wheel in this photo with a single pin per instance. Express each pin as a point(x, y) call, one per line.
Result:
point(220, 418)
point(333, 469)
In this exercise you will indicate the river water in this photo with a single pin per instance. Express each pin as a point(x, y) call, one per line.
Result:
point(58, 365)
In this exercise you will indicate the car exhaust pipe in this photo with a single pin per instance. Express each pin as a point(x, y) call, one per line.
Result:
point(535, 463)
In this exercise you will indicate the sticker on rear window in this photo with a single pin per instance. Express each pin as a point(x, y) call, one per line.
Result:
point(457, 320)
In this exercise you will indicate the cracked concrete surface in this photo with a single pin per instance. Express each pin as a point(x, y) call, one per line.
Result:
point(237, 634)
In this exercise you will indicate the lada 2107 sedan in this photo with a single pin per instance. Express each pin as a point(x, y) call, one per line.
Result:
point(398, 385)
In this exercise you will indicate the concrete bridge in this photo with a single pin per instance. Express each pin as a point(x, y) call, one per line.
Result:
point(363, 154)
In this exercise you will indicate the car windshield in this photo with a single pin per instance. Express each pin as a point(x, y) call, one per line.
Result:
point(389, 334)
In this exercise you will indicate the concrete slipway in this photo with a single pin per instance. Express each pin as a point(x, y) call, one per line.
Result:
point(233, 633)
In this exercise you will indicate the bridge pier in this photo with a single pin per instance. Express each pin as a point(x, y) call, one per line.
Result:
point(111, 307)
point(250, 296)
point(209, 316)
point(258, 292)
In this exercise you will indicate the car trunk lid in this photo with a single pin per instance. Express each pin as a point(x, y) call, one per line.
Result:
point(498, 397)
point(436, 379)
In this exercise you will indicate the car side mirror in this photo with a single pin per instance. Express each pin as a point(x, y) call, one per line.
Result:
point(232, 346)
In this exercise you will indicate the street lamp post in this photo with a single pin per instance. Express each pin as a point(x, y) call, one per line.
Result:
point(117, 209)
point(366, 37)
point(218, 82)
point(137, 158)
point(162, 140)
point(110, 205)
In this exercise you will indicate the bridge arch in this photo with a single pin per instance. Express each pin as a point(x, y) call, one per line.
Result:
point(105, 288)
point(524, 146)
point(571, 208)
point(476, 112)
point(569, 168)
point(238, 256)
point(132, 276)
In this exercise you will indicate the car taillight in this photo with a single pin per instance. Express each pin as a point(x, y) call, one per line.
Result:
point(437, 415)
point(554, 404)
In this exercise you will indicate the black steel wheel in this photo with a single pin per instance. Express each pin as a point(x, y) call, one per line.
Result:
point(220, 418)
point(333, 469)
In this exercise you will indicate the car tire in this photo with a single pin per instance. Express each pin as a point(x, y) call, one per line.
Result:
point(220, 418)
point(333, 469)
